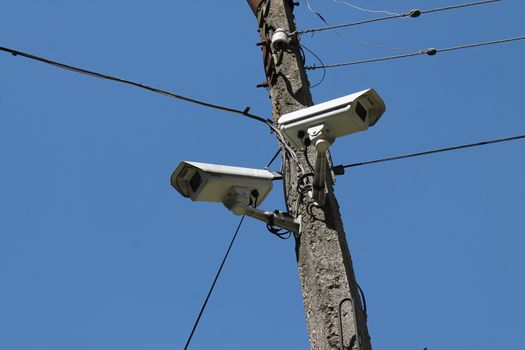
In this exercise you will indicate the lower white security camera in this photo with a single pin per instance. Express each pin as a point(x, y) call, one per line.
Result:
point(241, 190)
point(212, 182)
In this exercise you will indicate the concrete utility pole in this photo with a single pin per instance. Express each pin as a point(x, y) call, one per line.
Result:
point(325, 266)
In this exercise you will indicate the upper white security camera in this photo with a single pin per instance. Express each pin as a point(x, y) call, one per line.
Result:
point(241, 190)
point(321, 124)
point(332, 119)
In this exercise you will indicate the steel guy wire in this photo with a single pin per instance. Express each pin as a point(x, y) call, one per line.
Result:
point(340, 169)
point(244, 112)
point(429, 52)
point(413, 13)
point(213, 284)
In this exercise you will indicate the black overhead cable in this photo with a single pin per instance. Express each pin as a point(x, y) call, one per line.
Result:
point(412, 13)
point(429, 52)
point(340, 169)
point(273, 159)
point(320, 61)
point(213, 284)
point(244, 112)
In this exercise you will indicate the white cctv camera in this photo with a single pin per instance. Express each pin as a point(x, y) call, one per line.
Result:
point(323, 123)
point(241, 190)
point(332, 119)
point(212, 183)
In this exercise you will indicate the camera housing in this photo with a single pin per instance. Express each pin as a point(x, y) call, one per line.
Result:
point(241, 190)
point(335, 118)
point(212, 182)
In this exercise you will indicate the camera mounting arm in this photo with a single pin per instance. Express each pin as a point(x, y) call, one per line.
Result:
point(276, 218)
point(240, 200)
point(320, 136)
point(319, 183)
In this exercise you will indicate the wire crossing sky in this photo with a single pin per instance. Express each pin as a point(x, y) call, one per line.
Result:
point(203, 307)
point(339, 169)
point(428, 52)
point(412, 13)
point(244, 112)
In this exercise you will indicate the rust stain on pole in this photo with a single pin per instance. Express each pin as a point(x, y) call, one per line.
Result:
point(254, 4)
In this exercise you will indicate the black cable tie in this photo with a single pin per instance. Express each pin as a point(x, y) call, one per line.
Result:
point(339, 170)
point(246, 111)
point(414, 13)
point(271, 220)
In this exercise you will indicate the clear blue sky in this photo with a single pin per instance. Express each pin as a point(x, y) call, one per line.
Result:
point(97, 251)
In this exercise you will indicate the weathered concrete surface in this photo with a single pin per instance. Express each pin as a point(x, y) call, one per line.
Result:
point(323, 258)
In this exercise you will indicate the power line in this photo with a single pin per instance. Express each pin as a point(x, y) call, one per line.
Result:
point(413, 13)
point(340, 169)
point(429, 52)
point(213, 284)
point(244, 112)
